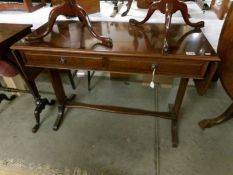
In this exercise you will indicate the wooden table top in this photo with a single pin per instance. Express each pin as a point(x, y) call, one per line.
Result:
point(9, 34)
point(146, 40)
point(7, 31)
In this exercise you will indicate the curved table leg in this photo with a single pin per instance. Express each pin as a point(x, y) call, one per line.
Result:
point(154, 6)
point(4, 97)
point(29, 79)
point(71, 9)
point(85, 19)
point(128, 8)
point(184, 11)
point(168, 6)
point(55, 12)
point(40, 105)
point(208, 123)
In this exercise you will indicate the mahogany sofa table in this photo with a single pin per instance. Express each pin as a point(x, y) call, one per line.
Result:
point(135, 50)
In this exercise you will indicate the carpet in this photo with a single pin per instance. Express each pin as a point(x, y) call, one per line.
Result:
point(89, 142)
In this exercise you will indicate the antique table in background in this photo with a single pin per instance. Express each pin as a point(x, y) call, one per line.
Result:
point(28, 5)
point(9, 34)
point(225, 70)
point(137, 50)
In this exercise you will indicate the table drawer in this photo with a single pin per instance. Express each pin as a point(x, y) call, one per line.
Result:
point(62, 62)
point(195, 69)
point(176, 67)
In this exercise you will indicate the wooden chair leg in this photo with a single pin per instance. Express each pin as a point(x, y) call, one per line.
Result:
point(71, 77)
point(89, 77)
point(129, 4)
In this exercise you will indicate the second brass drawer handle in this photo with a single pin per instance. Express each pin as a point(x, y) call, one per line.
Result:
point(62, 60)
point(153, 67)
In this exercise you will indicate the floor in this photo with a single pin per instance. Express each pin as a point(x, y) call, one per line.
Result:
point(99, 143)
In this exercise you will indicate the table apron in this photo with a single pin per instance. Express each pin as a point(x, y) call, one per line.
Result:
point(188, 68)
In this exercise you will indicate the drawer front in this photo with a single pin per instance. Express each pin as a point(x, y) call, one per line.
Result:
point(192, 69)
point(62, 62)
point(188, 68)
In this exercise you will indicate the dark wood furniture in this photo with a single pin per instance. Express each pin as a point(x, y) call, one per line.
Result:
point(144, 3)
point(9, 34)
point(168, 7)
point(27, 5)
point(71, 9)
point(220, 7)
point(135, 50)
point(225, 52)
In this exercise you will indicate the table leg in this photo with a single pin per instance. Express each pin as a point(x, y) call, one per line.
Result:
point(29, 76)
point(60, 95)
point(168, 7)
point(208, 123)
point(128, 8)
point(115, 8)
point(174, 109)
point(63, 102)
point(4, 97)
point(40, 103)
point(70, 9)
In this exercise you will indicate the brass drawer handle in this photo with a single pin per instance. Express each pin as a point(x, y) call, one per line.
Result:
point(62, 60)
point(152, 83)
